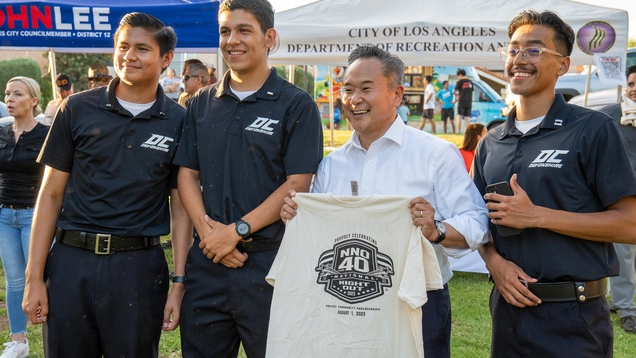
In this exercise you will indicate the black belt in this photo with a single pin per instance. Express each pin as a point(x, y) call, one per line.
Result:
point(105, 244)
point(252, 246)
point(15, 207)
point(569, 291)
point(257, 246)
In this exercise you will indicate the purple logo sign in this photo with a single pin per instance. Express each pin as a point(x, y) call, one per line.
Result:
point(596, 37)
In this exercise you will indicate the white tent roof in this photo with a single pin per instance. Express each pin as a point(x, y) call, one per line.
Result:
point(431, 33)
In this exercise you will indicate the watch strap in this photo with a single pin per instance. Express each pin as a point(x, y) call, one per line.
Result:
point(442, 235)
point(179, 279)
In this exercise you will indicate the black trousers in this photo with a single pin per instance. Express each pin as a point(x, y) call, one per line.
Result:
point(223, 307)
point(551, 329)
point(110, 305)
point(436, 324)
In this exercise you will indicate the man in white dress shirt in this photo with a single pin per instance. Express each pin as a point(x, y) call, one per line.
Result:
point(385, 156)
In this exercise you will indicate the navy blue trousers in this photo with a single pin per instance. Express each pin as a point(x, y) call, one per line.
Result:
point(436, 324)
point(223, 307)
point(551, 329)
point(110, 305)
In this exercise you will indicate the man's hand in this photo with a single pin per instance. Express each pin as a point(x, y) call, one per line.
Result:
point(173, 307)
point(288, 211)
point(234, 259)
point(423, 214)
point(509, 279)
point(220, 241)
point(36, 303)
point(516, 211)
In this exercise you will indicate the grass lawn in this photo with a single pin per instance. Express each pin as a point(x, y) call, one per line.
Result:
point(469, 296)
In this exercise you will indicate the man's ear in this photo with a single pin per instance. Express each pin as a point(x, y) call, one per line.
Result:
point(564, 67)
point(398, 91)
point(270, 38)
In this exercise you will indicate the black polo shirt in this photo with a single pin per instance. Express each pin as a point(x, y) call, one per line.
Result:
point(120, 165)
point(20, 174)
point(628, 131)
point(573, 161)
point(245, 149)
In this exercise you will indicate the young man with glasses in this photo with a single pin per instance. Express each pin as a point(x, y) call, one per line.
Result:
point(574, 193)
point(195, 77)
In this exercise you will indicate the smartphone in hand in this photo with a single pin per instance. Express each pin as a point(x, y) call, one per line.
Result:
point(503, 188)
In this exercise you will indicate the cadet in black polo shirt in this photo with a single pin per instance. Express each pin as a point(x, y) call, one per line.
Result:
point(102, 288)
point(247, 141)
point(574, 194)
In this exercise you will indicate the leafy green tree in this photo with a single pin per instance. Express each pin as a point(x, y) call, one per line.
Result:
point(26, 67)
point(76, 65)
point(299, 78)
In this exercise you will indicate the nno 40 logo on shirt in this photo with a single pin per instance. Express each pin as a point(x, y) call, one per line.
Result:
point(354, 271)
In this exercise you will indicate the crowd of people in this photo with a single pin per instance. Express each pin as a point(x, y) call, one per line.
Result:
point(547, 198)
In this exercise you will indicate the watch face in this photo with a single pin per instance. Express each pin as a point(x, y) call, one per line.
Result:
point(242, 229)
point(440, 227)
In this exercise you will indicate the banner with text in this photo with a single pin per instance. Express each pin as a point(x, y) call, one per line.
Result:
point(90, 28)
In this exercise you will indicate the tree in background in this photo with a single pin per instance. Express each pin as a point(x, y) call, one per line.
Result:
point(299, 78)
point(21, 67)
point(76, 66)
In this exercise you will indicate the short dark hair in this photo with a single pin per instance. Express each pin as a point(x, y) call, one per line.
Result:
point(630, 70)
point(199, 69)
point(262, 11)
point(392, 66)
point(445, 82)
point(429, 78)
point(187, 63)
point(164, 35)
point(461, 72)
point(563, 33)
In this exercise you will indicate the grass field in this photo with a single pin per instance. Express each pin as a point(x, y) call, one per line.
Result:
point(469, 296)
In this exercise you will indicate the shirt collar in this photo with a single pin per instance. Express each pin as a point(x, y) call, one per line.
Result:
point(395, 133)
point(555, 118)
point(109, 102)
point(270, 90)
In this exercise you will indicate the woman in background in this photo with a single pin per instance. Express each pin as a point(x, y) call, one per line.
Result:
point(20, 179)
point(474, 132)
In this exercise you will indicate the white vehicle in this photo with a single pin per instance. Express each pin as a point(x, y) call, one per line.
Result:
point(599, 99)
point(572, 85)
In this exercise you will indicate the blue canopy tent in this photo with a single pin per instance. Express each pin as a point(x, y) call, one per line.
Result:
point(80, 26)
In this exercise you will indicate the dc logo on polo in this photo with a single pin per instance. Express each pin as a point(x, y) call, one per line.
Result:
point(262, 125)
point(158, 142)
point(354, 271)
point(548, 159)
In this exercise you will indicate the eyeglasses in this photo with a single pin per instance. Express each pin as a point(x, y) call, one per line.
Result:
point(187, 77)
point(529, 54)
point(103, 81)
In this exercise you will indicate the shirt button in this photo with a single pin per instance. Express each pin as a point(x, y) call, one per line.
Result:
point(131, 132)
point(523, 139)
point(519, 154)
point(237, 118)
point(369, 161)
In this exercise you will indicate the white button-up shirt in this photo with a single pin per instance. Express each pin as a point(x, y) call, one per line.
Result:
point(406, 161)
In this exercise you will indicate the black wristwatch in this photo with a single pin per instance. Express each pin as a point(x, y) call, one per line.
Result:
point(441, 231)
point(243, 228)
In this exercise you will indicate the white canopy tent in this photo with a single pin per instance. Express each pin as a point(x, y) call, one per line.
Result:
point(427, 33)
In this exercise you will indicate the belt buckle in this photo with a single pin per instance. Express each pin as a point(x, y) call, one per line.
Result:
point(106, 237)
